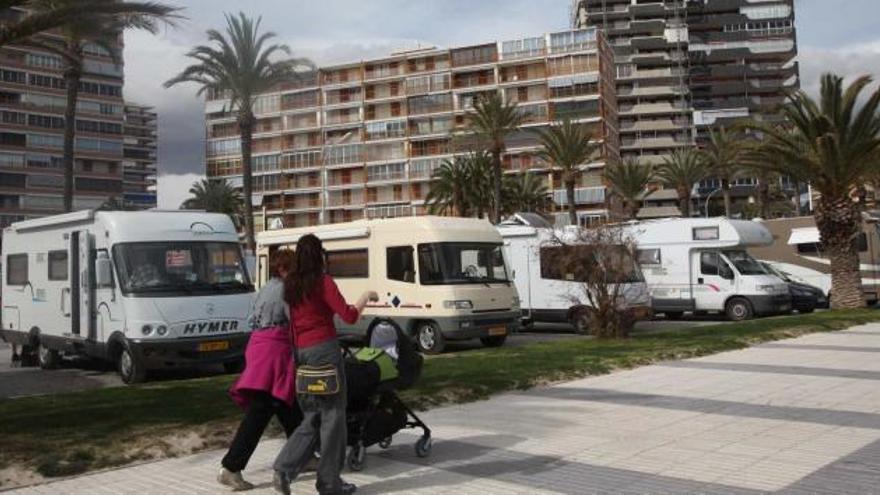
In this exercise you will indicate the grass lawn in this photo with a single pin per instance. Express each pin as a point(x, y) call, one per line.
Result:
point(71, 433)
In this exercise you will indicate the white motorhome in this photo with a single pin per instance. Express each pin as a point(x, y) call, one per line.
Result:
point(701, 265)
point(439, 278)
point(548, 295)
point(144, 289)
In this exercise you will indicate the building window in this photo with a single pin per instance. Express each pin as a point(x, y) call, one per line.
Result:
point(353, 263)
point(16, 269)
point(401, 264)
point(57, 265)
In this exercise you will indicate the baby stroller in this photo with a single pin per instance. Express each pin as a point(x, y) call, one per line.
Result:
point(373, 375)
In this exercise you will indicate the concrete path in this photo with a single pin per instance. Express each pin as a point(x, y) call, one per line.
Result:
point(798, 416)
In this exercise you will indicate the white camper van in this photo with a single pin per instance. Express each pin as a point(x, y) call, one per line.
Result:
point(144, 289)
point(546, 295)
point(439, 278)
point(701, 265)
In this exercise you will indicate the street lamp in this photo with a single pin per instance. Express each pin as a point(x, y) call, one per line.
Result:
point(707, 200)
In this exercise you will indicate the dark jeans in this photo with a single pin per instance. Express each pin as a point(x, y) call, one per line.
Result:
point(261, 409)
point(324, 420)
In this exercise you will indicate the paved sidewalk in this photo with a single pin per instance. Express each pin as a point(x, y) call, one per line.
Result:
point(797, 416)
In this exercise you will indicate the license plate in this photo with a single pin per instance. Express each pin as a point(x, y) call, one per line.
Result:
point(498, 331)
point(214, 346)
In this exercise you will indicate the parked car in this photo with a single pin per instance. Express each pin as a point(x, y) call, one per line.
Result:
point(804, 297)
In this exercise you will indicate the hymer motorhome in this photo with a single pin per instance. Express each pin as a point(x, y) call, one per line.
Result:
point(144, 289)
point(796, 243)
point(439, 278)
point(701, 265)
point(548, 294)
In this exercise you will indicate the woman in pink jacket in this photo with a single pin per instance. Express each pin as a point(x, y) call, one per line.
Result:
point(266, 386)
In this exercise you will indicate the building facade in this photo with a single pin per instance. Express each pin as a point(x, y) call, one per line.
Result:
point(721, 61)
point(650, 42)
point(362, 140)
point(32, 103)
point(139, 156)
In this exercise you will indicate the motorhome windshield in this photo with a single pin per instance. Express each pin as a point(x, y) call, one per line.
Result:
point(745, 264)
point(461, 263)
point(180, 268)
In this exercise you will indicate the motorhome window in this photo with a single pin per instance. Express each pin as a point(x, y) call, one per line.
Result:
point(352, 263)
point(809, 248)
point(401, 264)
point(57, 265)
point(461, 263)
point(744, 263)
point(648, 256)
point(585, 263)
point(180, 268)
point(709, 263)
point(17, 269)
point(705, 233)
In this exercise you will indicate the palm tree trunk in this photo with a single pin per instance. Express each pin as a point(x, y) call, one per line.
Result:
point(725, 191)
point(72, 75)
point(684, 202)
point(496, 183)
point(839, 223)
point(572, 207)
point(246, 128)
point(764, 198)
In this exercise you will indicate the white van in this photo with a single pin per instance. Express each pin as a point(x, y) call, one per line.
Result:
point(546, 295)
point(145, 289)
point(439, 278)
point(701, 265)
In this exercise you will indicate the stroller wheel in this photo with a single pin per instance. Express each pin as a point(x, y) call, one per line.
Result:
point(385, 443)
point(423, 446)
point(356, 458)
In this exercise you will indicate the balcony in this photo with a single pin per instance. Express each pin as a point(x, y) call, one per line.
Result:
point(345, 178)
point(346, 199)
point(389, 211)
point(382, 71)
point(473, 79)
point(584, 195)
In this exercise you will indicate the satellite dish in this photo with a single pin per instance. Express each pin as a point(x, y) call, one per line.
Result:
point(276, 223)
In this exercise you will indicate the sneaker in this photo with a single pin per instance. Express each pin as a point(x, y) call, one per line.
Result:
point(344, 489)
point(233, 480)
point(281, 483)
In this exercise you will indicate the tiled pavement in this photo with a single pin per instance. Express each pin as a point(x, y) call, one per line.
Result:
point(798, 416)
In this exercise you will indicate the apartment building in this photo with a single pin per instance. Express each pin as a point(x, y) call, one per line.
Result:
point(364, 139)
point(32, 103)
point(650, 43)
point(722, 60)
point(139, 156)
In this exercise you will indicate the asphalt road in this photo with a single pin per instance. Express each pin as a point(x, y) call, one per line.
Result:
point(75, 375)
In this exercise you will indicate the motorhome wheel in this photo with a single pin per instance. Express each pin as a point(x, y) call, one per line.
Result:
point(580, 320)
point(430, 338)
point(130, 367)
point(738, 309)
point(48, 358)
point(674, 315)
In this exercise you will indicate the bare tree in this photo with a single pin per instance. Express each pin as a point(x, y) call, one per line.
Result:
point(601, 260)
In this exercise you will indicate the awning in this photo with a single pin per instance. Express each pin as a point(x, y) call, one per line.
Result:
point(805, 235)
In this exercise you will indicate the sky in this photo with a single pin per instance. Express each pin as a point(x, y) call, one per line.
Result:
point(833, 35)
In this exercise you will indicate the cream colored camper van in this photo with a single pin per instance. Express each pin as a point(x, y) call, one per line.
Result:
point(439, 278)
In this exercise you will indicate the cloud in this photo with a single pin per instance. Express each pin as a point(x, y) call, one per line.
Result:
point(174, 189)
point(847, 61)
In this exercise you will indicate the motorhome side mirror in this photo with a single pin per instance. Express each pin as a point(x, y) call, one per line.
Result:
point(103, 272)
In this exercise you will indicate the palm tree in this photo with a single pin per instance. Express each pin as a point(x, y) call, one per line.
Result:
point(834, 143)
point(215, 196)
point(525, 192)
point(448, 188)
point(240, 64)
point(681, 170)
point(568, 146)
point(628, 181)
point(101, 27)
point(462, 186)
point(26, 24)
point(492, 120)
point(723, 155)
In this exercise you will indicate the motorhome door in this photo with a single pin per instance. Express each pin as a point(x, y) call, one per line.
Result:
point(82, 315)
point(713, 280)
